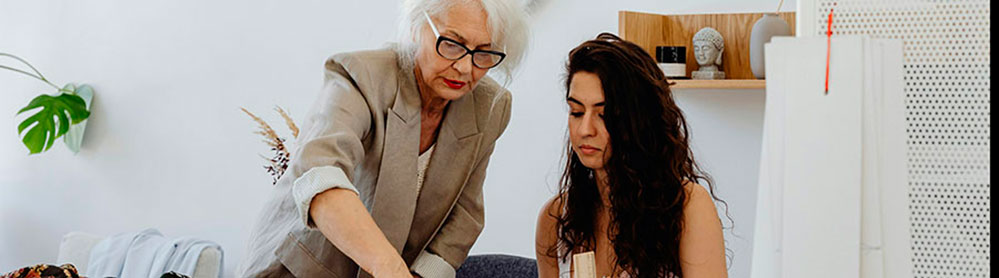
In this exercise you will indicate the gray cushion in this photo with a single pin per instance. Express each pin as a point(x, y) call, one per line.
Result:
point(498, 266)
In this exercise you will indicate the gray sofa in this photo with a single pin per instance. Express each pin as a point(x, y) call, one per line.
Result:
point(498, 266)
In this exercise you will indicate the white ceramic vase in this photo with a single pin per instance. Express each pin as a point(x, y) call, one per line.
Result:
point(768, 26)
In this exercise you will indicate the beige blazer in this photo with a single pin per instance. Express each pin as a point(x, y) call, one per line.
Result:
point(364, 133)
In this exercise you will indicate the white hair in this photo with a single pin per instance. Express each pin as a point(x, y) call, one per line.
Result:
point(506, 19)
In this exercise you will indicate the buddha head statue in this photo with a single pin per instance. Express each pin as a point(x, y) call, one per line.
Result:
point(708, 47)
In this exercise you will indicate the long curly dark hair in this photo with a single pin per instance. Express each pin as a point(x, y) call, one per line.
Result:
point(650, 162)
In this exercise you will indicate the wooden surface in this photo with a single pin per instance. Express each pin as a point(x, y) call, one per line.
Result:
point(719, 84)
point(651, 30)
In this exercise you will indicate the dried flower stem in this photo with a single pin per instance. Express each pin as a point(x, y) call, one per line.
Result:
point(265, 129)
point(279, 163)
point(288, 121)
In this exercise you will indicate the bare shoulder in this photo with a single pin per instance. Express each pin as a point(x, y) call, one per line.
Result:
point(699, 202)
point(547, 229)
point(546, 233)
point(702, 244)
point(551, 211)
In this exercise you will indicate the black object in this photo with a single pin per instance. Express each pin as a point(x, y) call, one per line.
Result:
point(671, 54)
point(498, 266)
point(672, 61)
point(172, 274)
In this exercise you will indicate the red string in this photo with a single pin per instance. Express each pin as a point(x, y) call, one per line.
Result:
point(828, 47)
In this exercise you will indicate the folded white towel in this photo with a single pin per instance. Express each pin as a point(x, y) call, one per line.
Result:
point(146, 254)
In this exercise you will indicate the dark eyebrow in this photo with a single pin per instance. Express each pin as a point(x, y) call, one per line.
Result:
point(571, 99)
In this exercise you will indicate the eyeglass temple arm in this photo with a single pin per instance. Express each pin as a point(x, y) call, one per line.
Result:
point(431, 22)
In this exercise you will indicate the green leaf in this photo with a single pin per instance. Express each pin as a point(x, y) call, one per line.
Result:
point(52, 121)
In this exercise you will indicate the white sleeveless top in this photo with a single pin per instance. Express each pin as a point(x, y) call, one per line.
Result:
point(565, 266)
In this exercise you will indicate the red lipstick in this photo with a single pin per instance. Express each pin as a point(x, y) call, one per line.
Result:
point(454, 84)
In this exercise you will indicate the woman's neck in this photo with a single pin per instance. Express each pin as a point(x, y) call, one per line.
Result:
point(430, 104)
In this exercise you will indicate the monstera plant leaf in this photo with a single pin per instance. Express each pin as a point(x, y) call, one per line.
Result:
point(53, 120)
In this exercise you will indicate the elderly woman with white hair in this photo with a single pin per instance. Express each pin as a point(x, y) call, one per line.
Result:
point(387, 180)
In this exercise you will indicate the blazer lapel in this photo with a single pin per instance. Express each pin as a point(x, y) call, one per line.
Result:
point(395, 193)
point(451, 164)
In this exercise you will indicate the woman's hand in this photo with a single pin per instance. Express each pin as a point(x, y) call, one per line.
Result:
point(394, 267)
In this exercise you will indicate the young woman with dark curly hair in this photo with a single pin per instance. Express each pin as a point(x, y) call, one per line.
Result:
point(629, 192)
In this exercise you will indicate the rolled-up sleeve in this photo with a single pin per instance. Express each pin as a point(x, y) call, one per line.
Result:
point(330, 144)
point(315, 181)
point(428, 265)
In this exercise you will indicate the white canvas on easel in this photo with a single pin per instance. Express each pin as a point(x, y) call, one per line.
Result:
point(822, 178)
point(870, 237)
point(895, 220)
point(831, 172)
point(886, 250)
point(766, 239)
point(788, 219)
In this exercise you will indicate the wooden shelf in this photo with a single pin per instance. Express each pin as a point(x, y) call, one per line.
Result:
point(651, 30)
point(719, 84)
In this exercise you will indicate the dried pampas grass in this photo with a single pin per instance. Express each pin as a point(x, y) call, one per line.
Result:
point(278, 164)
point(288, 121)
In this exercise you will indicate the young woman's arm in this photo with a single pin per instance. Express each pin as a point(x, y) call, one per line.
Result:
point(545, 237)
point(702, 246)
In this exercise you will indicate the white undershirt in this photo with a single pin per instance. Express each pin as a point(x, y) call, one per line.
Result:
point(422, 164)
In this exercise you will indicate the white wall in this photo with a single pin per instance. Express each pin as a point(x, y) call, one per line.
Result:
point(167, 147)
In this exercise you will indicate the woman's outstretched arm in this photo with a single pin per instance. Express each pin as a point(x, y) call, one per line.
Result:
point(343, 219)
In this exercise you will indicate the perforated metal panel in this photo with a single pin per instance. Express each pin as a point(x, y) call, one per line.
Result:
point(947, 87)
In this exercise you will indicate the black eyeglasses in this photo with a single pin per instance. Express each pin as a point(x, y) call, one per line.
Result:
point(454, 50)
